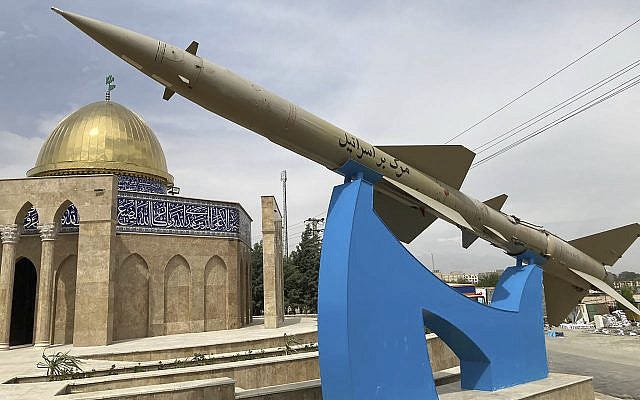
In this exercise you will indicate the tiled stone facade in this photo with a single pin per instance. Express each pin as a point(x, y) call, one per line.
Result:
point(100, 285)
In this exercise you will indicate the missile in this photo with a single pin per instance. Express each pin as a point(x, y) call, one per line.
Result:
point(418, 184)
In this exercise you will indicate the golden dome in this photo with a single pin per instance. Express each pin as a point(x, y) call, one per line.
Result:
point(102, 137)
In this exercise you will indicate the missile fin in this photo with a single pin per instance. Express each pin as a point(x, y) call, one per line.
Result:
point(468, 238)
point(446, 163)
point(167, 93)
point(495, 233)
point(560, 297)
point(497, 202)
point(404, 220)
point(192, 48)
point(601, 285)
point(436, 208)
point(607, 247)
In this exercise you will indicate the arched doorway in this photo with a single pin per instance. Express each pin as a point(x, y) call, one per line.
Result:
point(23, 304)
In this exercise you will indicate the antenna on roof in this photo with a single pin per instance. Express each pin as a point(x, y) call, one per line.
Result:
point(110, 86)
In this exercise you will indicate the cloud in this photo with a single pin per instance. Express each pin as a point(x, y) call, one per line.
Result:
point(47, 121)
point(18, 154)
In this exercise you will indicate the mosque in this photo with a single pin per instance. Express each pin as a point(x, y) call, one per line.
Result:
point(97, 247)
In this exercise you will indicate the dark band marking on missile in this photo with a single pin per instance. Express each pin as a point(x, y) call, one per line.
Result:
point(292, 117)
point(163, 49)
point(157, 51)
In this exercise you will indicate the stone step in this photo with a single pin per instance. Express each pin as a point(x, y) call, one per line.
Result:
point(210, 389)
point(249, 374)
point(188, 351)
point(555, 386)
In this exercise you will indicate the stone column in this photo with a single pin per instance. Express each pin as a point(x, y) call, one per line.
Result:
point(45, 284)
point(272, 275)
point(10, 235)
point(234, 285)
point(93, 324)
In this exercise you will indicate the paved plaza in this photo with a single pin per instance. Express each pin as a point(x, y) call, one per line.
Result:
point(612, 361)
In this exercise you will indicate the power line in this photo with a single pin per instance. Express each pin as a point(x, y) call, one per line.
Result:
point(304, 220)
point(611, 93)
point(543, 81)
point(313, 224)
point(550, 111)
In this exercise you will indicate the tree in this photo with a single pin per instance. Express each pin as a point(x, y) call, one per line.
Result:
point(292, 285)
point(301, 272)
point(257, 290)
point(489, 280)
point(628, 276)
point(627, 293)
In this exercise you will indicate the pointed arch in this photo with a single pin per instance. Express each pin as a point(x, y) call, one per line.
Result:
point(65, 301)
point(61, 209)
point(215, 294)
point(67, 216)
point(177, 295)
point(131, 299)
point(27, 217)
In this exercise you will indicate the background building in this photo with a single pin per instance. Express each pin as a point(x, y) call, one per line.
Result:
point(94, 250)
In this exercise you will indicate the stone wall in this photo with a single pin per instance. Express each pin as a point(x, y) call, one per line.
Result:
point(180, 284)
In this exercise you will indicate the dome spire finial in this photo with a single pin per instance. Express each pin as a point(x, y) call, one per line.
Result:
point(110, 86)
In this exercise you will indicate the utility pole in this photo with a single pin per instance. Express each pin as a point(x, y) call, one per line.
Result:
point(285, 236)
point(314, 224)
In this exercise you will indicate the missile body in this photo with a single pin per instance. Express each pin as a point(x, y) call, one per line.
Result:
point(404, 182)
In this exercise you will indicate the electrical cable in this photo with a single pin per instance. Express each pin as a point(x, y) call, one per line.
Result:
point(606, 96)
point(543, 81)
point(552, 110)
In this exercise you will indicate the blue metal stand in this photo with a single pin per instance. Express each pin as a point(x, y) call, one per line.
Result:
point(375, 299)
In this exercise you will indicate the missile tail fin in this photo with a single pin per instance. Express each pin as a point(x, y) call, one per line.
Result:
point(497, 202)
point(607, 247)
point(560, 297)
point(405, 220)
point(468, 238)
point(446, 163)
point(601, 285)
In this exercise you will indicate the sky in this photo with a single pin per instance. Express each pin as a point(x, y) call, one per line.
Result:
point(411, 72)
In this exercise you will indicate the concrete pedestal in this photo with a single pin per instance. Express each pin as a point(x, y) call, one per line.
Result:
point(555, 386)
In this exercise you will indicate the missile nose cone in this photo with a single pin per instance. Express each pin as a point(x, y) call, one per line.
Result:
point(136, 49)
